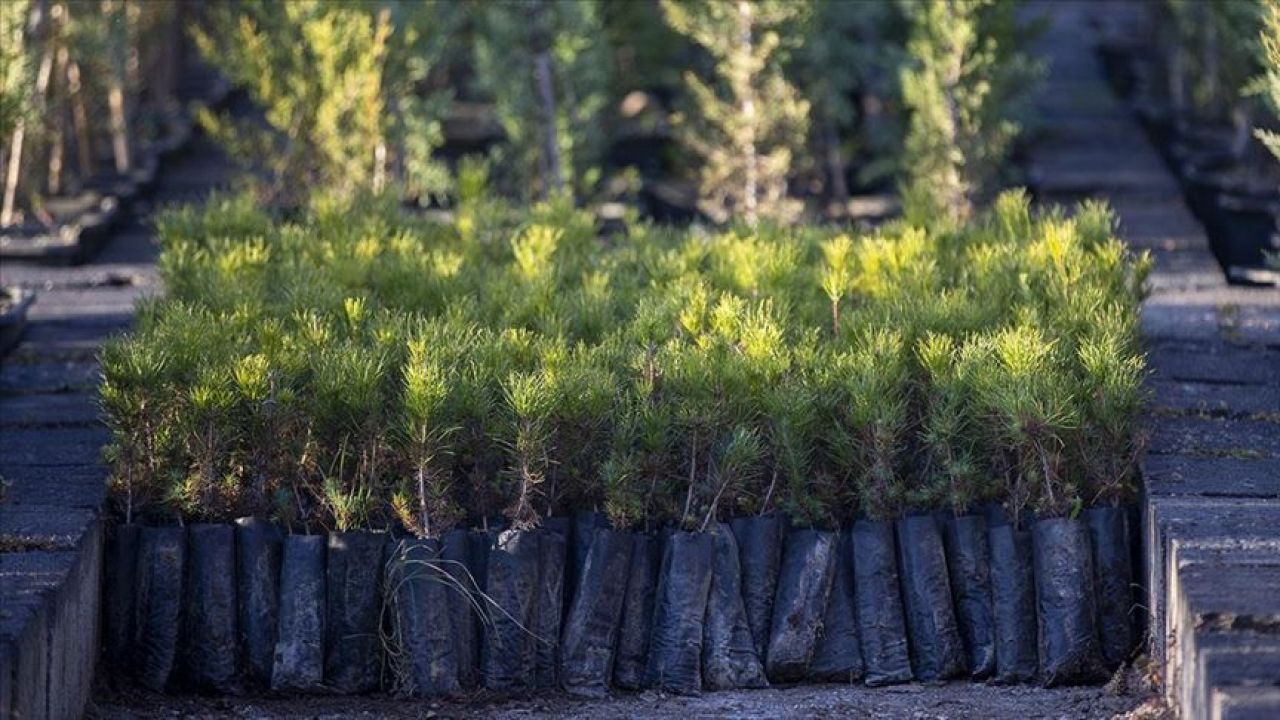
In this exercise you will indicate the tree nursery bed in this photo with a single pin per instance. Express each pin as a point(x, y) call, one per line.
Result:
point(503, 453)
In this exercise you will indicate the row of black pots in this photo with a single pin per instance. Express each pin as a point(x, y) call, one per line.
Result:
point(1240, 209)
point(1242, 222)
point(218, 607)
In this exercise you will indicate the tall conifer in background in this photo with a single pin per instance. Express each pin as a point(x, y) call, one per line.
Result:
point(337, 83)
point(546, 66)
point(747, 123)
point(962, 84)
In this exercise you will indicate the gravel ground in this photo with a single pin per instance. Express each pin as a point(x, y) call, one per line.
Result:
point(954, 701)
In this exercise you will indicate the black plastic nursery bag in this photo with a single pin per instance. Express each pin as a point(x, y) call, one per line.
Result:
point(679, 613)
point(804, 582)
point(161, 563)
point(759, 553)
point(1069, 650)
point(463, 599)
point(425, 663)
point(632, 655)
point(209, 647)
point(937, 652)
point(121, 574)
point(298, 660)
point(591, 629)
point(1013, 604)
point(969, 564)
point(729, 657)
point(258, 550)
point(353, 643)
point(549, 607)
point(839, 654)
point(1113, 580)
point(509, 655)
point(579, 533)
point(877, 598)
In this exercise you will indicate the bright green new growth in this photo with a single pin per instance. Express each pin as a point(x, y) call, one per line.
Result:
point(424, 502)
point(749, 123)
point(360, 367)
point(962, 86)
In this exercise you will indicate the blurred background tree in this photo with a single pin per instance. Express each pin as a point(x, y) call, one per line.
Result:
point(547, 68)
point(340, 88)
point(749, 122)
point(965, 76)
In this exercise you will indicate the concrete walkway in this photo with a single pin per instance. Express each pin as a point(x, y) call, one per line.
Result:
point(1211, 506)
point(50, 454)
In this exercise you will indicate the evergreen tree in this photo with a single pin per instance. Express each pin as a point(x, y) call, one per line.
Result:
point(546, 66)
point(962, 84)
point(749, 122)
point(339, 85)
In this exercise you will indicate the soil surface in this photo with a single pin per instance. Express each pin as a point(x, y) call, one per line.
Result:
point(953, 701)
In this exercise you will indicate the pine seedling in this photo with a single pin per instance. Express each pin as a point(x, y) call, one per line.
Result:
point(638, 469)
point(209, 489)
point(530, 401)
point(736, 463)
point(837, 274)
point(424, 503)
point(584, 390)
point(264, 407)
point(624, 497)
point(621, 477)
point(1112, 375)
point(950, 473)
point(132, 397)
point(874, 420)
point(807, 494)
point(348, 407)
point(750, 121)
point(1029, 393)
